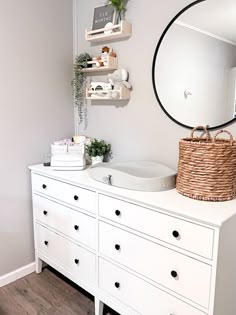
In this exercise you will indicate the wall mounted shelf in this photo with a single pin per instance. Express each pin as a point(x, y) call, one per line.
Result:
point(111, 64)
point(120, 94)
point(121, 30)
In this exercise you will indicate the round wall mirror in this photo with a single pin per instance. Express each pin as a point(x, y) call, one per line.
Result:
point(194, 65)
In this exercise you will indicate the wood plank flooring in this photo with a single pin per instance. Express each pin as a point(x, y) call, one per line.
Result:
point(46, 294)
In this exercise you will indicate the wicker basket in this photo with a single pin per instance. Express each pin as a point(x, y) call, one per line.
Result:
point(207, 167)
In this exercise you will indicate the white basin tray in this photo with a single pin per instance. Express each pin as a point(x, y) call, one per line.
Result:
point(135, 175)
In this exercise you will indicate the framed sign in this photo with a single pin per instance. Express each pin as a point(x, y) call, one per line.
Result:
point(102, 16)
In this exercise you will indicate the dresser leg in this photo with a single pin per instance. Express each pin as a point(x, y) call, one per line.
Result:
point(39, 264)
point(98, 307)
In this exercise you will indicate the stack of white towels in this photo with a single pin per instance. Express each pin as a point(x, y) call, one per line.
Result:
point(68, 155)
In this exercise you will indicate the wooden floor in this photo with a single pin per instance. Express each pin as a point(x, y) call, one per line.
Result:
point(46, 294)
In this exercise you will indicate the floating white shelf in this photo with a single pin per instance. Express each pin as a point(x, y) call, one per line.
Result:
point(120, 94)
point(111, 64)
point(121, 30)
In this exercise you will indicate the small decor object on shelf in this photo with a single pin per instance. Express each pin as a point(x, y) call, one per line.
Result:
point(102, 16)
point(100, 86)
point(97, 149)
point(119, 78)
point(102, 60)
point(117, 88)
point(108, 93)
point(120, 7)
point(207, 167)
point(79, 85)
point(106, 61)
point(108, 29)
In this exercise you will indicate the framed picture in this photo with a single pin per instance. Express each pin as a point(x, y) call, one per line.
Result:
point(102, 16)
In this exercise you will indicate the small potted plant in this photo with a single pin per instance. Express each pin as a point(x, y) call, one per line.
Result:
point(97, 149)
point(120, 7)
point(79, 85)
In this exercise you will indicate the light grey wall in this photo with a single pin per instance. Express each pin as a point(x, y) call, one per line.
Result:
point(35, 108)
point(139, 130)
point(202, 64)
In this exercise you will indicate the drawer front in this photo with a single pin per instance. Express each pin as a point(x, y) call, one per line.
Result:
point(75, 259)
point(78, 197)
point(189, 236)
point(138, 294)
point(74, 224)
point(179, 273)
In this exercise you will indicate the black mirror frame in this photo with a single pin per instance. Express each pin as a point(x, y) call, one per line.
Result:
point(154, 65)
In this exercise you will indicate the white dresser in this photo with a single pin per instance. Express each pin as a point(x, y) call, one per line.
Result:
point(139, 252)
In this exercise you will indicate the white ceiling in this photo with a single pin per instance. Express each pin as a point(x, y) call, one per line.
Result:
point(213, 16)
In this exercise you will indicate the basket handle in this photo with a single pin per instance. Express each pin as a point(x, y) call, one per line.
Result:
point(203, 128)
point(226, 131)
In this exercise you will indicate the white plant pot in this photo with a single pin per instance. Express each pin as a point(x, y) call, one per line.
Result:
point(97, 159)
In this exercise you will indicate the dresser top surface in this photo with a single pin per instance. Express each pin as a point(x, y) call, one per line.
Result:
point(213, 213)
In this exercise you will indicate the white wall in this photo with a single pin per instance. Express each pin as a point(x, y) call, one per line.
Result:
point(35, 108)
point(139, 130)
point(202, 64)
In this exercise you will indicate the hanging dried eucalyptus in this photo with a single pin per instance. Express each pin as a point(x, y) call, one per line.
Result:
point(79, 86)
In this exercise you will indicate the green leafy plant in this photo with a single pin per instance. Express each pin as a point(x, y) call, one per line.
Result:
point(97, 148)
point(119, 6)
point(79, 86)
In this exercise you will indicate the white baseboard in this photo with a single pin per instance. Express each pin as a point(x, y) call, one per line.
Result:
point(17, 274)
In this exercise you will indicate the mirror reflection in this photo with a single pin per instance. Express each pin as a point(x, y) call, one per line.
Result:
point(194, 67)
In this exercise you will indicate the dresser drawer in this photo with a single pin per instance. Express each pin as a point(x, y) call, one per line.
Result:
point(75, 259)
point(179, 273)
point(138, 294)
point(183, 234)
point(74, 224)
point(78, 197)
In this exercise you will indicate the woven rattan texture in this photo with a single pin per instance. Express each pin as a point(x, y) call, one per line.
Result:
point(207, 168)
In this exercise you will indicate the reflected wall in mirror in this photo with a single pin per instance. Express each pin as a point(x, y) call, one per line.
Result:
point(194, 65)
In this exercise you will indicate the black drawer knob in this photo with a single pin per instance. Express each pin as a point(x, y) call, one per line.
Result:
point(46, 243)
point(174, 274)
point(117, 285)
point(76, 227)
point(76, 261)
point(44, 186)
point(117, 212)
point(175, 234)
point(117, 247)
point(76, 197)
point(45, 212)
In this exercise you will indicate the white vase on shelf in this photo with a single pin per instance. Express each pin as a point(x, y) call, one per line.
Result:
point(97, 159)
